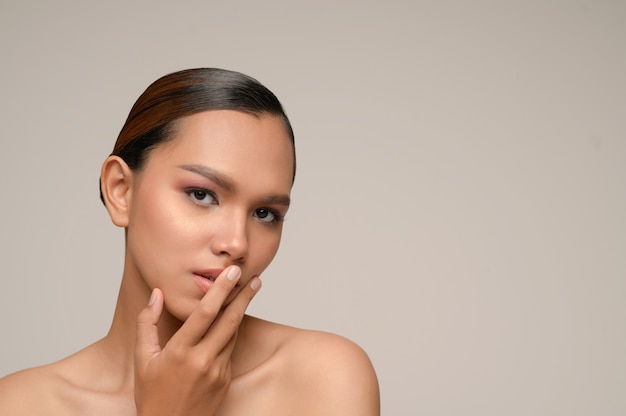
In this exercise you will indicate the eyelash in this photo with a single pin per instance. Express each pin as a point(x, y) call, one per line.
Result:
point(277, 216)
point(191, 192)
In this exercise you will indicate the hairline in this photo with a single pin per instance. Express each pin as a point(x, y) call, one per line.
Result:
point(171, 128)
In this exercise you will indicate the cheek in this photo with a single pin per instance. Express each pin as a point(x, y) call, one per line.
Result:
point(265, 248)
point(157, 236)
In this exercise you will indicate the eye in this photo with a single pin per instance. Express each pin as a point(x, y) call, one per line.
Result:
point(267, 215)
point(201, 196)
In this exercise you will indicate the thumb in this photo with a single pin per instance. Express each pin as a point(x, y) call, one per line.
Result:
point(147, 344)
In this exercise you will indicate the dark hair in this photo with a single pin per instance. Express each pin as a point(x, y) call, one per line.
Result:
point(183, 93)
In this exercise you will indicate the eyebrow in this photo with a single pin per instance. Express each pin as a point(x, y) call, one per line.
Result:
point(278, 200)
point(224, 182)
point(210, 174)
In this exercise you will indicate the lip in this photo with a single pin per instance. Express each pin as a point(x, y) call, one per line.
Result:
point(213, 273)
point(205, 278)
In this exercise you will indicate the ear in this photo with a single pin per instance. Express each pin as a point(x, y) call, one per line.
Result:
point(116, 180)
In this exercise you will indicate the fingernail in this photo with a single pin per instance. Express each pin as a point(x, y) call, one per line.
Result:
point(233, 273)
point(255, 283)
point(152, 297)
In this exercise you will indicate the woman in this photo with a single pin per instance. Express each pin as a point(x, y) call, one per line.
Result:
point(200, 179)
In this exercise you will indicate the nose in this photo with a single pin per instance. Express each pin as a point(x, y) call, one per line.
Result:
point(230, 238)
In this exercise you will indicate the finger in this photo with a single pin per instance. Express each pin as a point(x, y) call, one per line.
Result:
point(147, 341)
point(228, 348)
point(230, 318)
point(203, 316)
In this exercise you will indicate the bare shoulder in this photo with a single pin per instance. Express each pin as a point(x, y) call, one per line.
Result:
point(51, 389)
point(28, 391)
point(336, 368)
point(326, 373)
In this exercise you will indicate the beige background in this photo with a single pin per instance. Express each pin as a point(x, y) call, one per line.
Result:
point(459, 206)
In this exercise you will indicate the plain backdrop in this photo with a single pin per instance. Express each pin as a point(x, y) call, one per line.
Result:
point(460, 201)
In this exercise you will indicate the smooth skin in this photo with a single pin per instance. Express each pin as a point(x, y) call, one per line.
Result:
point(208, 202)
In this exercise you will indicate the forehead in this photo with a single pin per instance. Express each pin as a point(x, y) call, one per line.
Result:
point(237, 144)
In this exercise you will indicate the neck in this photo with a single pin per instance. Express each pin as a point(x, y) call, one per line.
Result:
point(118, 346)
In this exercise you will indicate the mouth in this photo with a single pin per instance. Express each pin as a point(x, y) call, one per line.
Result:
point(208, 276)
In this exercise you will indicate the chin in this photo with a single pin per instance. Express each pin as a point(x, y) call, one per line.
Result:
point(179, 310)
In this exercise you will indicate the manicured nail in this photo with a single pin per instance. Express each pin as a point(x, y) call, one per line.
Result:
point(152, 297)
point(233, 273)
point(255, 283)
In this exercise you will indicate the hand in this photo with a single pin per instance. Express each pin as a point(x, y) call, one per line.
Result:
point(192, 373)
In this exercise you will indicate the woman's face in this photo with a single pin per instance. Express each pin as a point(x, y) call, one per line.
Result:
point(213, 196)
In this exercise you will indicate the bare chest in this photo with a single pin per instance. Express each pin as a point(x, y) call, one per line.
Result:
point(253, 395)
